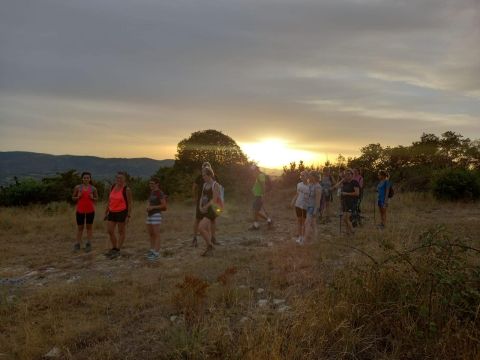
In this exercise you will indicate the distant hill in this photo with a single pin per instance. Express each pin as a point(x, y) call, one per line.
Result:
point(35, 165)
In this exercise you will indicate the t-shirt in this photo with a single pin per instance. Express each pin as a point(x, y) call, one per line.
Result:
point(382, 188)
point(259, 186)
point(310, 198)
point(349, 187)
point(155, 199)
point(302, 191)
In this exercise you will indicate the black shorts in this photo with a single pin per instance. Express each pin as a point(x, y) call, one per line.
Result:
point(117, 216)
point(349, 205)
point(210, 215)
point(301, 213)
point(85, 217)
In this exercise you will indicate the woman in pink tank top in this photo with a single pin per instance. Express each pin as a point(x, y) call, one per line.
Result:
point(118, 212)
point(85, 195)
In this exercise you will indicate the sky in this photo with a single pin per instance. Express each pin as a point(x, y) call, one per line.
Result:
point(286, 79)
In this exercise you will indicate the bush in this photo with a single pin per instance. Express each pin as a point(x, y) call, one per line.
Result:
point(457, 184)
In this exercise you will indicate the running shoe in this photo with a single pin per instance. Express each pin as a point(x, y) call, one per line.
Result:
point(194, 242)
point(208, 250)
point(153, 256)
point(253, 227)
point(88, 247)
point(76, 247)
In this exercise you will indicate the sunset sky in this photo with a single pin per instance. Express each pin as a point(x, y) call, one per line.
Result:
point(303, 78)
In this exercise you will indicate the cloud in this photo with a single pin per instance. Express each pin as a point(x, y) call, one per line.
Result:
point(252, 68)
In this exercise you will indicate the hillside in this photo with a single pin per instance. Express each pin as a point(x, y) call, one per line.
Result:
point(36, 165)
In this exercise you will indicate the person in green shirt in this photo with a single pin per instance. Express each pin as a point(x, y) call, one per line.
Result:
point(258, 191)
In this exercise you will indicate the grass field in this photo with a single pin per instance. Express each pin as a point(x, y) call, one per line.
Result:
point(410, 291)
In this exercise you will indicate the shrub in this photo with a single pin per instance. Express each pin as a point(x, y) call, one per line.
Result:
point(457, 184)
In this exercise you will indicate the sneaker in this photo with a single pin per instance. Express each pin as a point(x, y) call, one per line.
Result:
point(114, 253)
point(194, 242)
point(76, 247)
point(88, 247)
point(153, 256)
point(253, 227)
point(148, 252)
point(208, 250)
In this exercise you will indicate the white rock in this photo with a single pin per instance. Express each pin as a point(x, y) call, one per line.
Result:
point(173, 318)
point(73, 279)
point(262, 302)
point(283, 308)
point(244, 319)
point(278, 301)
point(54, 352)
point(260, 290)
point(242, 286)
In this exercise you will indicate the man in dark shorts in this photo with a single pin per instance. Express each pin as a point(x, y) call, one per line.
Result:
point(197, 191)
point(349, 197)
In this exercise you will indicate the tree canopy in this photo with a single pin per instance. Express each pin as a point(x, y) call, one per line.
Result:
point(208, 145)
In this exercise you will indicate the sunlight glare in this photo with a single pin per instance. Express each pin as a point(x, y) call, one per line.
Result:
point(275, 153)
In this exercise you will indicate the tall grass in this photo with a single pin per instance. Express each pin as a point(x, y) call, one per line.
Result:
point(408, 292)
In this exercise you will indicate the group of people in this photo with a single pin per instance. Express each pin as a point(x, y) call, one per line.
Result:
point(315, 194)
point(313, 199)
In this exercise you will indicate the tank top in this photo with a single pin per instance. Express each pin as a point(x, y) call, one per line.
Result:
point(116, 201)
point(85, 204)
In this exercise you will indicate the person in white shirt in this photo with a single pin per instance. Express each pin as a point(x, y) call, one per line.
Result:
point(298, 202)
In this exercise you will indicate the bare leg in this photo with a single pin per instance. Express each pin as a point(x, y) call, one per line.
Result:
point(121, 235)
point(348, 223)
point(383, 213)
point(156, 237)
point(89, 232)
point(111, 234)
point(151, 235)
point(80, 233)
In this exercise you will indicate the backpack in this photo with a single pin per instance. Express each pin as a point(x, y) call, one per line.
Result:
point(124, 193)
point(268, 183)
point(159, 194)
point(391, 192)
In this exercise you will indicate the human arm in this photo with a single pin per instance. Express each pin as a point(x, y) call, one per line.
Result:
point(75, 195)
point(94, 194)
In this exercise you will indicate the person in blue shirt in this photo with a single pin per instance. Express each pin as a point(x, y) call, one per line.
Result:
point(383, 189)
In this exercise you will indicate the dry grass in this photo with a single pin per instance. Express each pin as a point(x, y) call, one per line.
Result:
point(365, 297)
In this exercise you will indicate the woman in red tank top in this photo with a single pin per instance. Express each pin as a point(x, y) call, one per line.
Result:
point(118, 212)
point(85, 195)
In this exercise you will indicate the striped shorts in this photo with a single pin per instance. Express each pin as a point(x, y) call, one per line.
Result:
point(155, 219)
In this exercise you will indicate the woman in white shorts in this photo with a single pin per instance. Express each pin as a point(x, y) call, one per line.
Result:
point(156, 204)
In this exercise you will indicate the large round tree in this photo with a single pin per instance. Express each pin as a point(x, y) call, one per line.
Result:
point(213, 146)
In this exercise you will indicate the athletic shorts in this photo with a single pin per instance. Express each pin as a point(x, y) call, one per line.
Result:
point(83, 218)
point(349, 205)
point(257, 203)
point(301, 213)
point(154, 219)
point(310, 210)
point(117, 216)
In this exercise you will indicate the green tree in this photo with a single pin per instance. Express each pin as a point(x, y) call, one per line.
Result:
point(213, 146)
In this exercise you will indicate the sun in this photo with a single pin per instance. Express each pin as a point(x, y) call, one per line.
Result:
point(275, 153)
